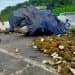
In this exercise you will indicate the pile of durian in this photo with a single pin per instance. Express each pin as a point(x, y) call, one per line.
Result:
point(61, 49)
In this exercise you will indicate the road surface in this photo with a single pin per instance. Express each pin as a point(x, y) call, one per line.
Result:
point(27, 61)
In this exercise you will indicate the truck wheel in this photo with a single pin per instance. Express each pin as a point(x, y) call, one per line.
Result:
point(38, 32)
point(47, 32)
point(27, 34)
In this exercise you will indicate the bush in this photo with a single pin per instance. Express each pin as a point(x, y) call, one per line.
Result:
point(56, 10)
point(64, 8)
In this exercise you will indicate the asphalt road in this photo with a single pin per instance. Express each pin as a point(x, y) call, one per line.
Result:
point(27, 61)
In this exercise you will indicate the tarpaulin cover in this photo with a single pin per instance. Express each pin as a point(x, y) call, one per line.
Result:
point(35, 18)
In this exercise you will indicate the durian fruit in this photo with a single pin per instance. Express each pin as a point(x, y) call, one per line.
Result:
point(64, 46)
point(72, 65)
point(65, 71)
point(53, 50)
point(67, 42)
point(67, 56)
point(60, 39)
point(73, 43)
point(72, 49)
point(38, 44)
point(54, 44)
point(47, 51)
point(66, 49)
point(64, 64)
point(50, 39)
point(61, 53)
point(46, 45)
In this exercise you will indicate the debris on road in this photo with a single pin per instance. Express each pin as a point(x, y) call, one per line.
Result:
point(35, 46)
point(49, 61)
point(17, 50)
point(18, 72)
point(72, 70)
point(61, 49)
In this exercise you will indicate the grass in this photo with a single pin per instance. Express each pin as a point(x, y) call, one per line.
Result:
point(5, 17)
point(65, 8)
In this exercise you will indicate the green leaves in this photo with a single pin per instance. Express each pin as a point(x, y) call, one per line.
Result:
point(58, 6)
point(64, 8)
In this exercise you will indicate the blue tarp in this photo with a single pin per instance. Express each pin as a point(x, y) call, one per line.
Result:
point(34, 19)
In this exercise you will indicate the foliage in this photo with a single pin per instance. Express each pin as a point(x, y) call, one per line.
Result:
point(58, 6)
point(64, 8)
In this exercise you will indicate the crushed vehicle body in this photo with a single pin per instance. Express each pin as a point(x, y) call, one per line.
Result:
point(35, 19)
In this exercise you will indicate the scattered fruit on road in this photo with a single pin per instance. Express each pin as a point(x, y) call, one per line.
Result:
point(61, 50)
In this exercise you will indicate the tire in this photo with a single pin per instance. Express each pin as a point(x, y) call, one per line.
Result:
point(39, 31)
point(47, 32)
point(44, 31)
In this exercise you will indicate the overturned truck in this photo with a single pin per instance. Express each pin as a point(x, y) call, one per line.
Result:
point(33, 20)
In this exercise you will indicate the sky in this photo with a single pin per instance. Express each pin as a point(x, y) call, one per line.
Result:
point(5, 3)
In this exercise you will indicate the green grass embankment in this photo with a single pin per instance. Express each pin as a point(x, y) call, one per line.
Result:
point(56, 10)
point(65, 8)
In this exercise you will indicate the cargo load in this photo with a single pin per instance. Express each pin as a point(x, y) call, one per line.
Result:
point(35, 19)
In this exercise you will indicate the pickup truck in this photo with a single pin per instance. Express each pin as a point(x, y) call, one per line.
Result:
point(31, 20)
point(71, 18)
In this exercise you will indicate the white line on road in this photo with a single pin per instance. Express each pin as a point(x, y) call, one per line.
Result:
point(30, 61)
